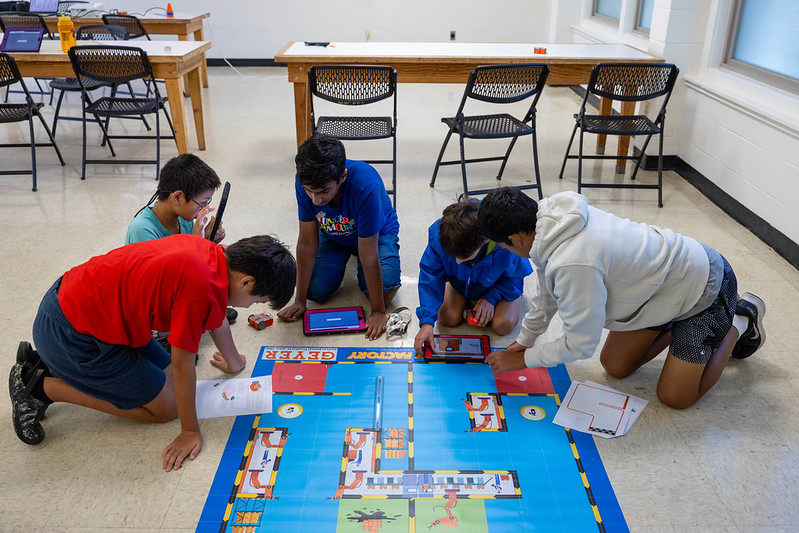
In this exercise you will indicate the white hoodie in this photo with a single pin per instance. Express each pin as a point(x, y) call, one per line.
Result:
point(600, 271)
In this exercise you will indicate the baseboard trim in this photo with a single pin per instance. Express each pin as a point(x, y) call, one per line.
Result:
point(261, 62)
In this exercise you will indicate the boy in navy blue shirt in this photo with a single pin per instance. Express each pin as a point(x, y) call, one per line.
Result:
point(462, 271)
point(343, 210)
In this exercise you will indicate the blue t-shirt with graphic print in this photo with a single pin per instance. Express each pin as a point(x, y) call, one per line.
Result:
point(363, 210)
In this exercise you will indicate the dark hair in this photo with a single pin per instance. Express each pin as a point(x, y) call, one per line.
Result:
point(505, 211)
point(457, 229)
point(187, 173)
point(269, 261)
point(320, 159)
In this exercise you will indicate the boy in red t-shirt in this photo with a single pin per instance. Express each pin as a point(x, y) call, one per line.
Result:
point(93, 329)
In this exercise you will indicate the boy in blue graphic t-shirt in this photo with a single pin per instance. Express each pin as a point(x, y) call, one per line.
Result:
point(343, 210)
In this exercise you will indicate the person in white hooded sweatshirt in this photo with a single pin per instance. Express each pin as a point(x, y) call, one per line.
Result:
point(650, 287)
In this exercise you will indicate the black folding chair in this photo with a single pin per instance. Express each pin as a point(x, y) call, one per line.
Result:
point(9, 75)
point(357, 85)
point(131, 23)
point(118, 65)
point(497, 84)
point(624, 82)
point(98, 32)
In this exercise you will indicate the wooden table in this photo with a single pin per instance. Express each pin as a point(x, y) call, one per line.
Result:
point(171, 61)
point(449, 62)
point(184, 25)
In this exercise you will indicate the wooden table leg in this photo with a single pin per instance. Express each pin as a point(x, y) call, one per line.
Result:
point(605, 108)
point(193, 77)
point(174, 92)
point(200, 36)
point(302, 111)
point(186, 85)
point(627, 108)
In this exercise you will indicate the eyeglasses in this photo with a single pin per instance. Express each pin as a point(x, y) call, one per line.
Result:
point(201, 204)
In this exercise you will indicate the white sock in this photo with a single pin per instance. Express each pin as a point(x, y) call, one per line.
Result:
point(741, 323)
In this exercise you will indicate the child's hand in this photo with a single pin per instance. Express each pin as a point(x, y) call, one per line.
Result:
point(483, 312)
point(220, 231)
point(203, 221)
point(506, 361)
point(187, 444)
point(219, 361)
point(425, 335)
point(292, 312)
point(376, 325)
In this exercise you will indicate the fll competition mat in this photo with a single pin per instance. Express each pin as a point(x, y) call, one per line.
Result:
point(378, 440)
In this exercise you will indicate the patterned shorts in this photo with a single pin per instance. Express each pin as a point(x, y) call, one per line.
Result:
point(695, 338)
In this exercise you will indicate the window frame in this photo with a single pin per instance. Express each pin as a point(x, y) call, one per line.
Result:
point(760, 74)
point(606, 19)
point(637, 28)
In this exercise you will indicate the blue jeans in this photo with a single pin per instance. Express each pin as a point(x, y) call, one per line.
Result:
point(331, 263)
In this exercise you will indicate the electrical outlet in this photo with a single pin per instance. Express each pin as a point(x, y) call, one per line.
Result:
point(452, 35)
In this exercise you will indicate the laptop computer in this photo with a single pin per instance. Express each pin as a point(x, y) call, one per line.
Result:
point(22, 40)
point(43, 6)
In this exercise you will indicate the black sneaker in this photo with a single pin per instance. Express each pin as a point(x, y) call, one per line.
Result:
point(754, 337)
point(27, 356)
point(231, 315)
point(26, 411)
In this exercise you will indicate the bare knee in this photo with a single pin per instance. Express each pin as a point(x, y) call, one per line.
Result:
point(674, 399)
point(449, 318)
point(614, 367)
point(502, 327)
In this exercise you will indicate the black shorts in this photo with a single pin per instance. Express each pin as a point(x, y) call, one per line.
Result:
point(695, 338)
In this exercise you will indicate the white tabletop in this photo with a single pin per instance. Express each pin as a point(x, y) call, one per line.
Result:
point(616, 52)
point(153, 48)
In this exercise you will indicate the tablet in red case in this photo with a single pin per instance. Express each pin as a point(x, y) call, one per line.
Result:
point(463, 348)
point(334, 320)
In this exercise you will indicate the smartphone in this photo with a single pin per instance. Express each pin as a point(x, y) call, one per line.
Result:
point(334, 320)
point(220, 210)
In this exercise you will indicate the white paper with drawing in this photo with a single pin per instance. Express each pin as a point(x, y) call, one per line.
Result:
point(233, 397)
point(593, 408)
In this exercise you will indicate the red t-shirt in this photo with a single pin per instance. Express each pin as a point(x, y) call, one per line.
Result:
point(177, 284)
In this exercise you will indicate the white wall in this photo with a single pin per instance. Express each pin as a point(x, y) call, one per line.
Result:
point(741, 135)
point(249, 29)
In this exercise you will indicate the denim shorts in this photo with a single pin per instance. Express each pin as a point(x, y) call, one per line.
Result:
point(331, 263)
point(127, 377)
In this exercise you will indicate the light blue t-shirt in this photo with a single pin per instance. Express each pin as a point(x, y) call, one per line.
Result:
point(146, 227)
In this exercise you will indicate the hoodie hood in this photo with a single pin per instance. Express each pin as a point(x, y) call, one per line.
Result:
point(560, 217)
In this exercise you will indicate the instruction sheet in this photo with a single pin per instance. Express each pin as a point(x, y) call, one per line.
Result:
point(593, 408)
point(234, 397)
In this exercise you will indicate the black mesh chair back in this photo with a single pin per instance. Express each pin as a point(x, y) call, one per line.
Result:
point(627, 83)
point(102, 32)
point(357, 85)
point(497, 84)
point(23, 20)
point(117, 65)
point(19, 112)
point(96, 32)
point(110, 64)
point(129, 22)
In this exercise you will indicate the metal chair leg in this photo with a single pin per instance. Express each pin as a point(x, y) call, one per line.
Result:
point(505, 159)
point(463, 165)
point(33, 148)
point(568, 148)
point(440, 156)
point(535, 163)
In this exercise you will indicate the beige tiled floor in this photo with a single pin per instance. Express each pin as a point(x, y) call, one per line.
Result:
point(729, 464)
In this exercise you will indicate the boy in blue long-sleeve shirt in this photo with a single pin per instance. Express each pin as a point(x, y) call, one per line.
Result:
point(462, 271)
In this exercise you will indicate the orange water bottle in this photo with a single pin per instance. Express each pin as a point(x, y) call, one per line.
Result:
point(65, 33)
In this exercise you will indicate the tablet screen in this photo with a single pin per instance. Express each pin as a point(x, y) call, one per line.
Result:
point(334, 320)
point(22, 40)
point(459, 348)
